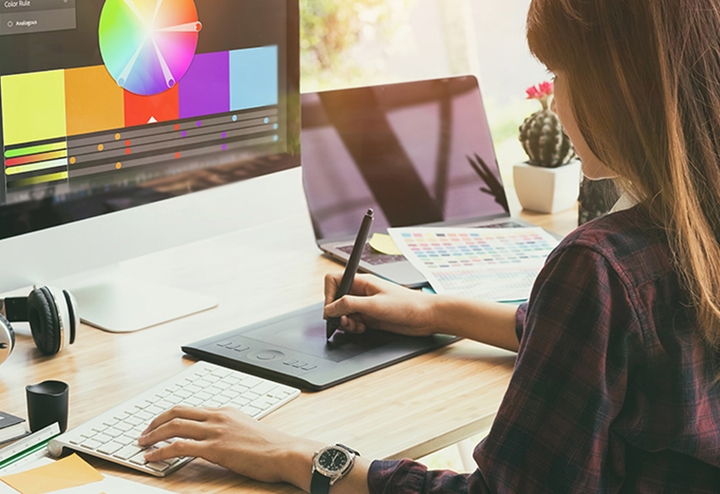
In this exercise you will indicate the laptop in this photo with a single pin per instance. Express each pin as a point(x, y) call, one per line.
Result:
point(418, 153)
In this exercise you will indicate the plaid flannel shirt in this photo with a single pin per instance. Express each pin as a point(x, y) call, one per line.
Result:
point(613, 385)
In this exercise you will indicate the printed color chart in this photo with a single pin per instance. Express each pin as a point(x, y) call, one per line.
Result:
point(497, 264)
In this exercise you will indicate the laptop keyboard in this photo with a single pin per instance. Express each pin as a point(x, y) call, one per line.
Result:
point(113, 434)
point(371, 256)
point(504, 224)
point(375, 258)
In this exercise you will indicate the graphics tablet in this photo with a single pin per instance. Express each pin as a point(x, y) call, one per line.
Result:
point(292, 349)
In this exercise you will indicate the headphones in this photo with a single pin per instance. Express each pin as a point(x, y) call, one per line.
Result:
point(52, 314)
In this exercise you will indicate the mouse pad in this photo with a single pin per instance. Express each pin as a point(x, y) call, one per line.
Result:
point(292, 349)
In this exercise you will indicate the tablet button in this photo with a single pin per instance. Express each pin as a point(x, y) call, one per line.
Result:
point(269, 355)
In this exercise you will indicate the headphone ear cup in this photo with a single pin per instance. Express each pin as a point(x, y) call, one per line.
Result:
point(74, 314)
point(7, 339)
point(44, 322)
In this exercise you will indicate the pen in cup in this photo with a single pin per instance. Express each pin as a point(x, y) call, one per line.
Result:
point(351, 268)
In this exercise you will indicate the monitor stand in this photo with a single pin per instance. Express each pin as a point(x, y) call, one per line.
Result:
point(120, 303)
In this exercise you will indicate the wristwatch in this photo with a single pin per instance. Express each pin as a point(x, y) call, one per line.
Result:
point(330, 464)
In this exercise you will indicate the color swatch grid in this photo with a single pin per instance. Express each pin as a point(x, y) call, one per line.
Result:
point(497, 264)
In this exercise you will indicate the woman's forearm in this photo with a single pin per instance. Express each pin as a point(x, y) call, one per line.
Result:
point(486, 322)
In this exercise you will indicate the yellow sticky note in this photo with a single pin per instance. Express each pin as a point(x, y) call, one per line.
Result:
point(384, 244)
point(72, 471)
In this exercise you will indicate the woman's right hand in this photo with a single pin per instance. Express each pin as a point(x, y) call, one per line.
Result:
point(378, 304)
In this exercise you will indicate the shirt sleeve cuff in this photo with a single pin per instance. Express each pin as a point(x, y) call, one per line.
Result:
point(520, 320)
point(396, 477)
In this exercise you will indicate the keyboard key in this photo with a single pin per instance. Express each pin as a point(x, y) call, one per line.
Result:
point(128, 452)
point(134, 421)
point(158, 466)
point(194, 402)
point(164, 404)
point(264, 387)
point(251, 381)
point(125, 439)
point(252, 395)
point(139, 459)
point(123, 426)
point(183, 393)
point(145, 415)
point(110, 448)
point(251, 410)
point(239, 402)
point(102, 438)
point(193, 388)
point(261, 403)
point(113, 432)
point(91, 444)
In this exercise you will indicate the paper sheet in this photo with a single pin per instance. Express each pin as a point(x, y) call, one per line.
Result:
point(109, 484)
point(495, 264)
point(72, 471)
point(113, 485)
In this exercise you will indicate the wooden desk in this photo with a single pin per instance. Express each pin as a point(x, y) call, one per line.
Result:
point(408, 410)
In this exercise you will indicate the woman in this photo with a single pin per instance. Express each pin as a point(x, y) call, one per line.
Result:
point(615, 388)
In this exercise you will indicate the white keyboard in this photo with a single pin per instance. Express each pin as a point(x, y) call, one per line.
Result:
point(113, 435)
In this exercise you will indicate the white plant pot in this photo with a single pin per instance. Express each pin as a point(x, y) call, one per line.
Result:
point(547, 190)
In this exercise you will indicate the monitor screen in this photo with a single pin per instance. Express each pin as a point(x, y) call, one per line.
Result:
point(416, 152)
point(111, 104)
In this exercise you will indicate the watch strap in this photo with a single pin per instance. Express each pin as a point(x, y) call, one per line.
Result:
point(356, 453)
point(320, 484)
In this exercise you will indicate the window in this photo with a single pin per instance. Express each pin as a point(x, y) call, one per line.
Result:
point(361, 42)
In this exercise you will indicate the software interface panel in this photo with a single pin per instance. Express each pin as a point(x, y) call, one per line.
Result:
point(111, 104)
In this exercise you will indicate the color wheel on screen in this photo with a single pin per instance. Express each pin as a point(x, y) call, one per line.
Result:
point(148, 45)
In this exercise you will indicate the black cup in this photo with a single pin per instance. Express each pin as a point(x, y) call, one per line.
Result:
point(47, 403)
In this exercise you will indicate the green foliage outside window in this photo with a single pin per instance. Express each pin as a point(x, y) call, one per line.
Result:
point(330, 28)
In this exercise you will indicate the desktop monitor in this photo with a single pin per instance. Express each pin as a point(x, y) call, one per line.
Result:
point(129, 126)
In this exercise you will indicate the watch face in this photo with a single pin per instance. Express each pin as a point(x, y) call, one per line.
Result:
point(333, 460)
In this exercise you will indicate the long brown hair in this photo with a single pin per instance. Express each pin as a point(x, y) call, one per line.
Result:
point(644, 81)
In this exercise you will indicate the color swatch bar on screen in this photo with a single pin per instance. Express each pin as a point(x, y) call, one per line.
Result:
point(42, 106)
point(44, 179)
point(43, 111)
point(37, 164)
point(24, 160)
point(42, 148)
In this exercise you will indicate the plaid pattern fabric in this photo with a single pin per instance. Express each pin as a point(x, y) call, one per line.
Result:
point(613, 385)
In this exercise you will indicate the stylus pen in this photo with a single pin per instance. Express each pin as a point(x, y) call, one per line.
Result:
point(351, 268)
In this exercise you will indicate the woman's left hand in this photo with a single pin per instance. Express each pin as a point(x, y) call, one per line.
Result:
point(232, 439)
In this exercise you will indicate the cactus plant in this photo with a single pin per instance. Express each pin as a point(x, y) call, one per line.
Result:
point(542, 135)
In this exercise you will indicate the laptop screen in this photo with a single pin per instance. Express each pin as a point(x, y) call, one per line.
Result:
point(416, 152)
